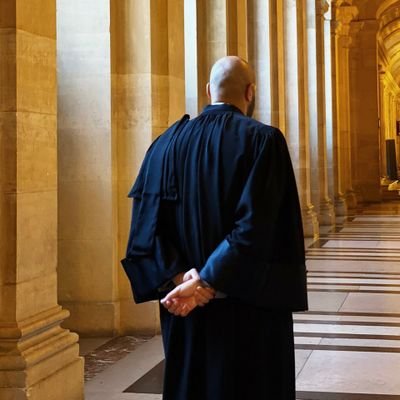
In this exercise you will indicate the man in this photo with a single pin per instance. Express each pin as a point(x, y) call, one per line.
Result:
point(227, 224)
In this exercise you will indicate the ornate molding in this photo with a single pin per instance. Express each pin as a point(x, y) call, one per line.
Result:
point(381, 69)
point(344, 15)
point(341, 3)
point(385, 6)
point(322, 7)
point(389, 84)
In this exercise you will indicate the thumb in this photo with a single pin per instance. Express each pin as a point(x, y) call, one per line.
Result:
point(173, 293)
point(191, 274)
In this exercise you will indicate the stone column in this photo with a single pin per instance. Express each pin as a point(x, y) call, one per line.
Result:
point(212, 29)
point(260, 57)
point(296, 105)
point(382, 122)
point(237, 27)
point(345, 199)
point(364, 115)
point(396, 135)
point(329, 105)
point(392, 121)
point(394, 127)
point(147, 66)
point(277, 64)
point(87, 260)
point(38, 359)
point(317, 117)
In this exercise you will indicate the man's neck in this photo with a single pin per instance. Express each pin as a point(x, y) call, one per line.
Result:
point(220, 103)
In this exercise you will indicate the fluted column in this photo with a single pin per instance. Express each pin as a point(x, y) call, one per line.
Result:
point(148, 93)
point(345, 197)
point(38, 359)
point(317, 116)
point(296, 105)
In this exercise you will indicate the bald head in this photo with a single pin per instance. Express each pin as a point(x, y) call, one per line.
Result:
point(232, 81)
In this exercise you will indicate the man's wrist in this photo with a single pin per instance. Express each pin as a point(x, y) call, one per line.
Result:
point(205, 284)
point(178, 279)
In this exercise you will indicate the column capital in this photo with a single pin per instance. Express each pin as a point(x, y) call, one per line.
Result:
point(344, 14)
point(321, 7)
point(344, 40)
point(342, 3)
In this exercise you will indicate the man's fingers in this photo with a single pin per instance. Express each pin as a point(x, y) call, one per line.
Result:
point(180, 306)
point(207, 292)
point(174, 306)
point(204, 295)
point(186, 311)
point(201, 296)
point(171, 295)
point(166, 303)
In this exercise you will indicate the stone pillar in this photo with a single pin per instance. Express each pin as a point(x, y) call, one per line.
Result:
point(364, 115)
point(393, 128)
point(237, 27)
point(212, 29)
point(345, 199)
point(176, 60)
point(382, 122)
point(147, 67)
point(38, 359)
point(87, 258)
point(277, 64)
point(260, 57)
point(329, 105)
point(296, 105)
point(317, 119)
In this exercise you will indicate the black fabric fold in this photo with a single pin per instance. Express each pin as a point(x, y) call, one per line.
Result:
point(150, 261)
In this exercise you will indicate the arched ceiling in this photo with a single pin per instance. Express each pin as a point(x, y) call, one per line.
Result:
point(388, 15)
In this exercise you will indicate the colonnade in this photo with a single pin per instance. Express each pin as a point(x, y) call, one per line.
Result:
point(159, 53)
point(389, 76)
point(126, 69)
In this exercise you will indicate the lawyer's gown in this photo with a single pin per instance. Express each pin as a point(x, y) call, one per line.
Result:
point(234, 216)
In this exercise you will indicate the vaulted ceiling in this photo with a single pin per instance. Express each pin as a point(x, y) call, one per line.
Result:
point(388, 15)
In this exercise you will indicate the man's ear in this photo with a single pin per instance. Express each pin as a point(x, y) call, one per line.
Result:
point(208, 90)
point(250, 92)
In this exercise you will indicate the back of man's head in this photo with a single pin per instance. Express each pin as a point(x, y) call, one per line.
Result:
point(230, 80)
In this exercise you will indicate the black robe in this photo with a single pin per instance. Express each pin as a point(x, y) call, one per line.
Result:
point(229, 207)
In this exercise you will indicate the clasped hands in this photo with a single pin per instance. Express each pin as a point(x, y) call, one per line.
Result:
point(189, 293)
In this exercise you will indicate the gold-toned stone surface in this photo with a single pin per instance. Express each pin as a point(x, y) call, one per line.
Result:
point(38, 359)
point(87, 277)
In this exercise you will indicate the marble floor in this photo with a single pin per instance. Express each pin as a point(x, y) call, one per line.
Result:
point(347, 344)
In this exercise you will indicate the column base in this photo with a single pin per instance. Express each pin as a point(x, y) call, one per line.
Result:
point(340, 206)
point(351, 199)
point(371, 193)
point(40, 360)
point(326, 213)
point(310, 222)
point(92, 319)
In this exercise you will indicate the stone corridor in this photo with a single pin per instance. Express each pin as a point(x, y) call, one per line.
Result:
point(347, 345)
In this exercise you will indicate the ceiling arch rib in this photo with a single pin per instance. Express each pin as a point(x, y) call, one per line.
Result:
point(388, 15)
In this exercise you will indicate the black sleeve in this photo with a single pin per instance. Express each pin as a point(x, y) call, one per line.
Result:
point(240, 265)
point(148, 272)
